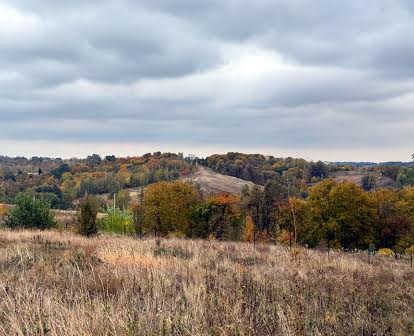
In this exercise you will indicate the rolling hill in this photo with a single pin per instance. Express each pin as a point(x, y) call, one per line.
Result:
point(211, 182)
point(356, 177)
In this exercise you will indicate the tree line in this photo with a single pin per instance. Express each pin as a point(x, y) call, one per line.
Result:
point(333, 215)
point(63, 182)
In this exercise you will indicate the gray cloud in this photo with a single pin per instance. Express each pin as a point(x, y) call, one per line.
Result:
point(266, 74)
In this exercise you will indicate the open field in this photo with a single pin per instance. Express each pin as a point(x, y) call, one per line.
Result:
point(58, 283)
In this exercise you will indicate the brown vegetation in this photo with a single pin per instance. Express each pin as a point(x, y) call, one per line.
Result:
point(54, 283)
point(211, 182)
point(357, 177)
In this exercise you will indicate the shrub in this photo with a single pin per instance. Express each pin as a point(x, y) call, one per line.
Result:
point(89, 211)
point(117, 221)
point(4, 212)
point(138, 218)
point(30, 213)
point(385, 252)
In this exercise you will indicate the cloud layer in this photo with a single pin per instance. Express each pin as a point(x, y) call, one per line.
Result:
point(318, 79)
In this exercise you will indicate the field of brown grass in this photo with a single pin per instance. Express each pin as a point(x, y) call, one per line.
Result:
point(59, 283)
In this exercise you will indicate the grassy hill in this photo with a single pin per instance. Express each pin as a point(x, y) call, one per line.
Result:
point(356, 176)
point(211, 182)
point(57, 283)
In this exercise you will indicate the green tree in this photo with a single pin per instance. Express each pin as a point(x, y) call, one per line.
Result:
point(406, 177)
point(138, 218)
point(89, 211)
point(122, 199)
point(117, 221)
point(369, 182)
point(30, 212)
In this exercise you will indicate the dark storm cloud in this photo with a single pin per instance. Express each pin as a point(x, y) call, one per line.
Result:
point(292, 74)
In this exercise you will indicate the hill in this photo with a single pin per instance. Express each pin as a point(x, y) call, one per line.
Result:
point(57, 283)
point(211, 182)
point(356, 176)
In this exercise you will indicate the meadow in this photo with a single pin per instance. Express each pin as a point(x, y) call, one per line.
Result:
point(60, 283)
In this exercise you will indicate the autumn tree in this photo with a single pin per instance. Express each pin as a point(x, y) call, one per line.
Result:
point(275, 194)
point(406, 204)
point(291, 219)
point(346, 207)
point(318, 215)
point(257, 209)
point(168, 207)
point(222, 217)
point(248, 233)
point(392, 218)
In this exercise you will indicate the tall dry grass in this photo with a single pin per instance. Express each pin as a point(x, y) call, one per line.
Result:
point(58, 283)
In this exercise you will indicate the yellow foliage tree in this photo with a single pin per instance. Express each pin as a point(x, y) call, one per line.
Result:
point(248, 234)
point(168, 206)
point(4, 210)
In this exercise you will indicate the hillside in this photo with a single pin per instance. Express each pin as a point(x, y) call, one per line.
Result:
point(356, 176)
point(57, 283)
point(211, 182)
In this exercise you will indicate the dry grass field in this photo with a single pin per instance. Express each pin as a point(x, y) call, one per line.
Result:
point(58, 283)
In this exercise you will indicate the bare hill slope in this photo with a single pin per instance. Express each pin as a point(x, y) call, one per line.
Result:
point(213, 183)
point(357, 176)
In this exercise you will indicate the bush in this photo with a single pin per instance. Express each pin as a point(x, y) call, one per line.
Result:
point(117, 221)
point(89, 211)
point(4, 212)
point(385, 252)
point(138, 218)
point(30, 213)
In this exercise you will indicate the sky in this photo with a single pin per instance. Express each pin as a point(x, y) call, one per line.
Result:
point(322, 80)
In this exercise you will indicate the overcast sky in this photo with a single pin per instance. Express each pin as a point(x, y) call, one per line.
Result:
point(330, 80)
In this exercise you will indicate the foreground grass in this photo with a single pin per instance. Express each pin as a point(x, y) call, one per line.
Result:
point(54, 283)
